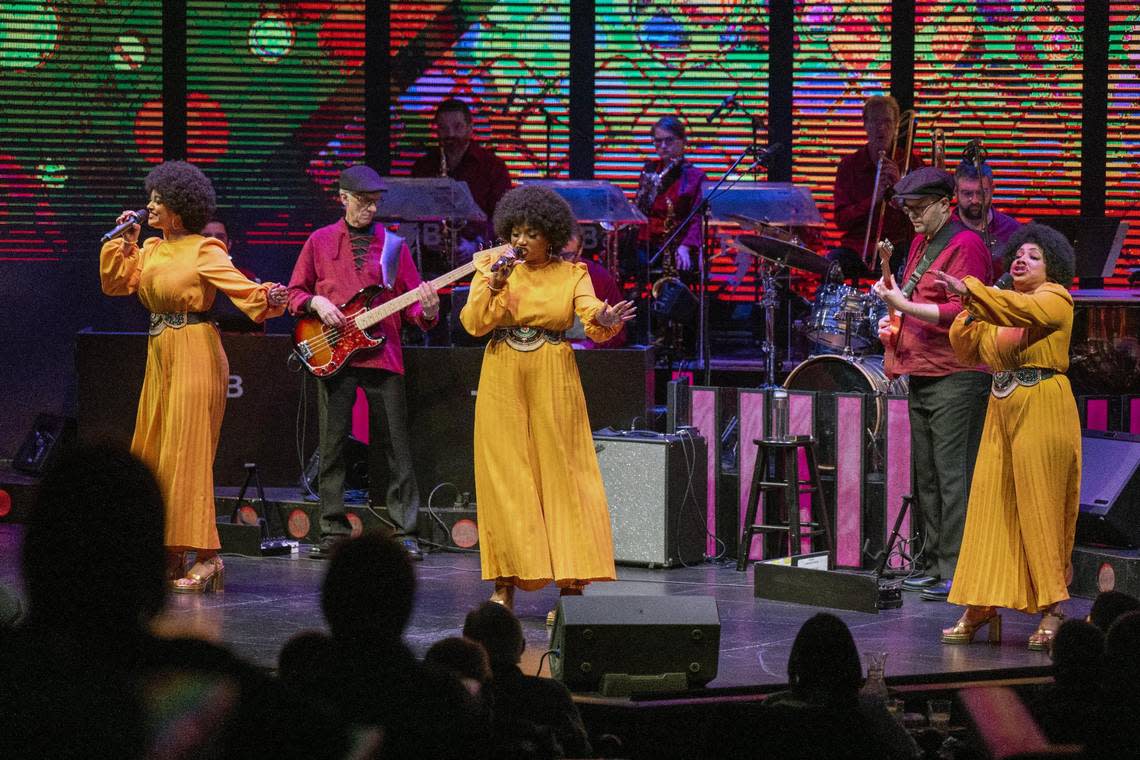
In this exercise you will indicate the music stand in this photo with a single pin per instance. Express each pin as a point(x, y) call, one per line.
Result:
point(1096, 240)
point(774, 203)
point(429, 199)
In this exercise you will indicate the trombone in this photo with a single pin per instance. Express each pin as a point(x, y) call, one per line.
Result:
point(878, 205)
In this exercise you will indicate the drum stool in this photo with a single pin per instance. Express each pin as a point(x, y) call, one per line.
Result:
point(782, 513)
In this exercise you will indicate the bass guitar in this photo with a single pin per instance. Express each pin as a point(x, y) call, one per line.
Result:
point(324, 349)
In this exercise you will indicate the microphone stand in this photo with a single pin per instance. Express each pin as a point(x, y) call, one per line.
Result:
point(702, 207)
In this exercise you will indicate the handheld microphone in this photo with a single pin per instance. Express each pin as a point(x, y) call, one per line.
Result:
point(729, 102)
point(1005, 282)
point(506, 260)
point(763, 155)
point(135, 217)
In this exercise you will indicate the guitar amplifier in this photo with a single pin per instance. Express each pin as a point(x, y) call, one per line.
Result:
point(656, 490)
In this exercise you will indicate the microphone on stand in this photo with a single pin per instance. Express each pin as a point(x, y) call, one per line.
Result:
point(1005, 282)
point(765, 154)
point(135, 217)
point(729, 102)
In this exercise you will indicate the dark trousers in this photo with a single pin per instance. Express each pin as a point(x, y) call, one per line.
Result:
point(388, 428)
point(946, 418)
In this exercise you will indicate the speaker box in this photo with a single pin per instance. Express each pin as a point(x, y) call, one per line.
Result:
point(1110, 489)
point(48, 435)
point(657, 494)
point(605, 639)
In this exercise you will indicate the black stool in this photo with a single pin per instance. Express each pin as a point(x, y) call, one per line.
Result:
point(786, 489)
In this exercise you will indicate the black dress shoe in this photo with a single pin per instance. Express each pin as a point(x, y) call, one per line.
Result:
point(920, 582)
point(936, 593)
point(325, 548)
point(413, 548)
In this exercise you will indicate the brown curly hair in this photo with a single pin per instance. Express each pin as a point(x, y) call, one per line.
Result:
point(541, 208)
point(1060, 261)
point(185, 190)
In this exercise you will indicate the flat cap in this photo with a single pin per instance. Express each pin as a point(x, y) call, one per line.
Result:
point(360, 179)
point(928, 180)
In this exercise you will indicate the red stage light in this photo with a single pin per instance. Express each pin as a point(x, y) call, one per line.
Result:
point(298, 524)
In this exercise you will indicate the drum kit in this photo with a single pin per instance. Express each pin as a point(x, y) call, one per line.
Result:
point(843, 324)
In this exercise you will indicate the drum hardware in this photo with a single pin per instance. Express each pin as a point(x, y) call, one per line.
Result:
point(851, 374)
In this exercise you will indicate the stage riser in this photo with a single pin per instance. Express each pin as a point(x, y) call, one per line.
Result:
point(264, 396)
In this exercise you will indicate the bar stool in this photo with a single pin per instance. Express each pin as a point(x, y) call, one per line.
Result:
point(782, 510)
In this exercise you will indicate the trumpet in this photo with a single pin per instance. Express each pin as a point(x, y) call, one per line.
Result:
point(938, 148)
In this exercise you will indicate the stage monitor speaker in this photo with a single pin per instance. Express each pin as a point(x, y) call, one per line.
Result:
point(630, 639)
point(656, 489)
point(355, 467)
point(49, 434)
point(1110, 489)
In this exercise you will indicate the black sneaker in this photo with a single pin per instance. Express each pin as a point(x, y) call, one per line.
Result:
point(920, 582)
point(413, 548)
point(936, 593)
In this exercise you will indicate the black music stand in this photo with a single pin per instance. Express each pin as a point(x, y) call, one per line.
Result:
point(1096, 240)
point(429, 199)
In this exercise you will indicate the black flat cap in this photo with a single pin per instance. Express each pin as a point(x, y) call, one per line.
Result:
point(927, 181)
point(360, 179)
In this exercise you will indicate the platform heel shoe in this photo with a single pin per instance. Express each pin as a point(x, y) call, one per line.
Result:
point(964, 630)
point(1041, 640)
point(197, 583)
point(504, 595)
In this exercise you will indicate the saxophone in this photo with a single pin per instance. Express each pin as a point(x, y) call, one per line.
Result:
point(669, 256)
point(442, 162)
point(650, 183)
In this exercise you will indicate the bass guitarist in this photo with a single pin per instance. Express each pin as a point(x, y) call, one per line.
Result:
point(335, 263)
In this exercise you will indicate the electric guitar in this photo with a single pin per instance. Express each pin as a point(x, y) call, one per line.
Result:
point(324, 350)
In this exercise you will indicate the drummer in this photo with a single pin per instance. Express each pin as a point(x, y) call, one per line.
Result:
point(855, 190)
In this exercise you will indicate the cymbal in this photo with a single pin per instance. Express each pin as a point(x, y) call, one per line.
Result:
point(783, 252)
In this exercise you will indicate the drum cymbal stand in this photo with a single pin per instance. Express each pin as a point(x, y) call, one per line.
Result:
point(769, 300)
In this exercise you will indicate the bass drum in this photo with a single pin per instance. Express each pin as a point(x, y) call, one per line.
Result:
point(849, 374)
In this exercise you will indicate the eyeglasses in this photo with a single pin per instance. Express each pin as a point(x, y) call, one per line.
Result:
point(917, 212)
point(372, 199)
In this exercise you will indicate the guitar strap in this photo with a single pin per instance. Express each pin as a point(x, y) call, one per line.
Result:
point(934, 246)
point(390, 257)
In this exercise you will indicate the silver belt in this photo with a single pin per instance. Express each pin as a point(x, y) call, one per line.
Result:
point(526, 338)
point(1006, 381)
point(159, 321)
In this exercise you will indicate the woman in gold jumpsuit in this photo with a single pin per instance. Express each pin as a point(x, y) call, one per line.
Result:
point(542, 508)
point(1022, 513)
point(176, 276)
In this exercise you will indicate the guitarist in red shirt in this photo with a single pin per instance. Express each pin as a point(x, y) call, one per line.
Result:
point(336, 262)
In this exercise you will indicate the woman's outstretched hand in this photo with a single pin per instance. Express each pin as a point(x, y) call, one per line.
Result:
point(616, 314)
point(949, 281)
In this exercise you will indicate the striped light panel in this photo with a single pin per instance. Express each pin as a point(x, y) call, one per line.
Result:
point(275, 106)
point(1010, 75)
point(76, 79)
point(842, 57)
point(509, 61)
point(1122, 183)
point(681, 59)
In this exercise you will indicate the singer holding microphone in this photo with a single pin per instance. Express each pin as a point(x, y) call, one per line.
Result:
point(176, 277)
point(542, 508)
point(1022, 516)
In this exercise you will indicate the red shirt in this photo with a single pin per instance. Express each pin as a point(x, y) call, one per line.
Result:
point(684, 192)
point(485, 174)
point(923, 348)
point(326, 268)
point(854, 183)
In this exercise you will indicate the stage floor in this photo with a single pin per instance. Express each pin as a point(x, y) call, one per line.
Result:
point(267, 600)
